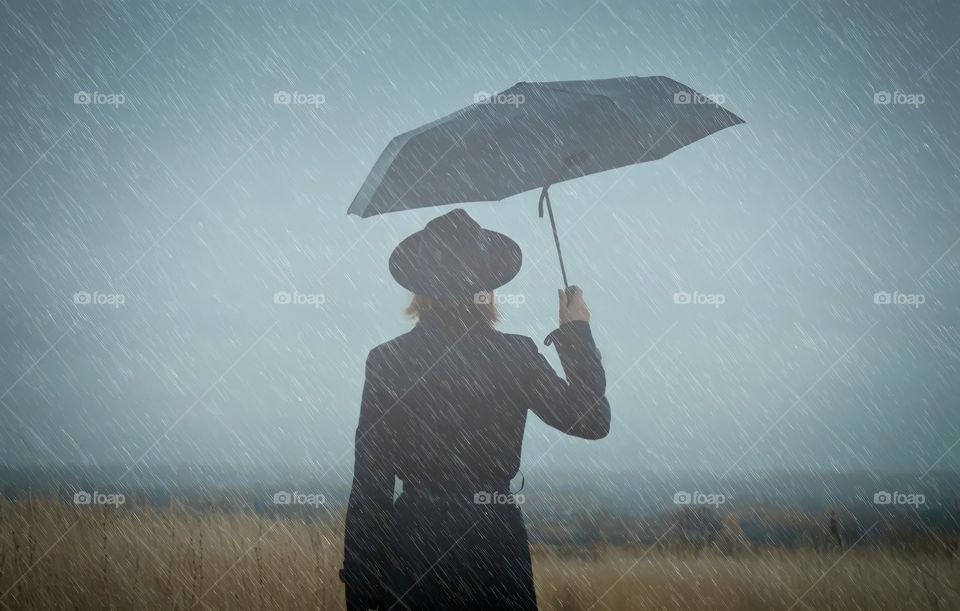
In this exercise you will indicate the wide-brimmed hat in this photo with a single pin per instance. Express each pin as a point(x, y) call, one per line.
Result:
point(454, 257)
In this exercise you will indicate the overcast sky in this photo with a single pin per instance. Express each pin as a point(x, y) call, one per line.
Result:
point(183, 190)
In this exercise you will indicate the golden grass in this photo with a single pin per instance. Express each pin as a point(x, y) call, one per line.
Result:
point(761, 579)
point(57, 556)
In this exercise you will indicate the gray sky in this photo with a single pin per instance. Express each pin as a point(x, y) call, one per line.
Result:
point(198, 198)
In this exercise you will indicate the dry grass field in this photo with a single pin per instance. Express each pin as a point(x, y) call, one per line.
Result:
point(57, 556)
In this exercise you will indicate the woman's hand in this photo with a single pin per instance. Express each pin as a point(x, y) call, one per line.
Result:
point(574, 308)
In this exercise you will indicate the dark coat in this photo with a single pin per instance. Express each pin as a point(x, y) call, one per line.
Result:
point(444, 411)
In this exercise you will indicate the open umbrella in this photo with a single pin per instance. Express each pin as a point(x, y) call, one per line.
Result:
point(534, 135)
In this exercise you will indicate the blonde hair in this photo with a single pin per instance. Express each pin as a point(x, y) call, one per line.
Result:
point(465, 311)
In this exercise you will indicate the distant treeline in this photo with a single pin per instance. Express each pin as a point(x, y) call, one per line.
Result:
point(696, 528)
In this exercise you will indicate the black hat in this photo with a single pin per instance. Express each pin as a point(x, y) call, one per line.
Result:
point(453, 257)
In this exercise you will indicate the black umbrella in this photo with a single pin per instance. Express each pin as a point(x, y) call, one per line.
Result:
point(534, 135)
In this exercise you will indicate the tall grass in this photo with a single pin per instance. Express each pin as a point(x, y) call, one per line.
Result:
point(57, 556)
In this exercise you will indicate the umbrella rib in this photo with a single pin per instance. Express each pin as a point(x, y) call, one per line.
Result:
point(458, 141)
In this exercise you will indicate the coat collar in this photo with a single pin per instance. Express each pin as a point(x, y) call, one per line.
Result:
point(430, 325)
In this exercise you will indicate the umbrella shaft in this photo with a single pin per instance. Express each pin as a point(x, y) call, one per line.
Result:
point(545, 198)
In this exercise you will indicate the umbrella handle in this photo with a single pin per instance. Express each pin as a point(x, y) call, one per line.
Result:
point(545, 198)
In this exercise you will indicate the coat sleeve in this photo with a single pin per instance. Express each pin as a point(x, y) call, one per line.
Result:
point(371, 497)
point(577, 406)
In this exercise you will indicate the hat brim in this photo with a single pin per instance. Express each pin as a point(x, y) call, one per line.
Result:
point(499, 265)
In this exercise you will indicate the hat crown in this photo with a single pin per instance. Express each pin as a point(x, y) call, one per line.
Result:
point(456, 222)
point(454, 232)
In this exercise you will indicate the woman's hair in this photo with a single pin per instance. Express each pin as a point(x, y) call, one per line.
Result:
point(455, 312)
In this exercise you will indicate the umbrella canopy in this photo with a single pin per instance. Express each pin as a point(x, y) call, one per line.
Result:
point(534, 135)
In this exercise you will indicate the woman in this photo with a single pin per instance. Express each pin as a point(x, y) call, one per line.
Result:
point(443, 410)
